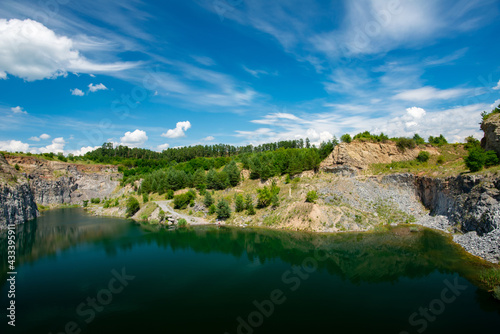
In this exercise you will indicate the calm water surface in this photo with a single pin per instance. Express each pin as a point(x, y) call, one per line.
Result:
point(83, 274)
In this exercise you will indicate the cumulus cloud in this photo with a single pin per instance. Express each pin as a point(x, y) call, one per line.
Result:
point(13, 146)
point(209, 138)
point(31, 51)
point(430, 93)
point(497, 87)
point(43, 136)
point(94, 88)
point(163, 147)
point(134, 139)
point(57, 146)
point(84, 150)
point(416, 112)
point(77, 92)
point(178, 132)
point(18, 110)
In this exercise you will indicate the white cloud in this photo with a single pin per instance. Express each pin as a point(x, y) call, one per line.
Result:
point(77, 92)
point(163, 147)
point(34, 139)
point(209, 138)
point(57, 146)
point(416, 112)
point(84, 150)
point(134, 139)
point(13, 146)
point(31, 51)
point(44, 136)
point(18, 110)
point(178, 132)
point(94, 88)
point(207, 61)
point(430, 93)
point(497, 87)
point(255, 73)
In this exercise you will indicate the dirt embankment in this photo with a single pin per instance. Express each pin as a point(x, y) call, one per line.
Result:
point(361, 154)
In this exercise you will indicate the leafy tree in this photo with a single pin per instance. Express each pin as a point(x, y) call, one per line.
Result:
point(250, 209)
point(275, 202)
point(403, 143)
point(311, 196)
point(491, 158)
point(239, 203)
point(170, 194)
point(265, 195)
point(472, 143)
point(418, 140)
point(182, 222)
point(132, 206)
point(441, 140)
point(223, 209)
point(233, 173)
point(248, 201)
point(308, 143)
point(199, 178)
point(183, 200)
point(208, 200)
point(144, 198)
point(476, 160)
point(346, 138)
point(423, 156)
point(212, 209)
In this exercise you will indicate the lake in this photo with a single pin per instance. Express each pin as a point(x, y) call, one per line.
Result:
point(82, 274)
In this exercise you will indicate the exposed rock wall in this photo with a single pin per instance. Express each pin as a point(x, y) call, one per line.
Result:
point(55, 182)
point(491, 128)
point(360, 155)
point(17, 203)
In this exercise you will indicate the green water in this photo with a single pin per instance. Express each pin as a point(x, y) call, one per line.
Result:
point(222, 280)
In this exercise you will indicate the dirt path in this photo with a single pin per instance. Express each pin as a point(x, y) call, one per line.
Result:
point(164, 205)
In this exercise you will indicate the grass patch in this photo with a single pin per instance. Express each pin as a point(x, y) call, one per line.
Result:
point(490, 278)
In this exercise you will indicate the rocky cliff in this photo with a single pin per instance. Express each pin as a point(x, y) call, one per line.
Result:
point(55, 182)
point(361, 154)
point(17, 203)
point(491, 128)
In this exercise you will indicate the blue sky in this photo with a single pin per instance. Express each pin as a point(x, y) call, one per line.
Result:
point(158, 74)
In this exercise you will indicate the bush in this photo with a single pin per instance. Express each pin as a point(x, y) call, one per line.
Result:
point(441, 140)
point(169, 194)
point(223, 209)
point(346, 138)
point(181, 201)
point(95, 200)
point(418, 140)
point(404, 143)
point(311, 196)
point(16, 166)
point(212, 209)
point(472, 143)
point(250, 209)
point(440, 160)
point(476, 160)
point(85, 203)
point(491, 159)
point(182, 222)
point(423, 156)
point(145, 198)
point(208, 200)
point(132, 206)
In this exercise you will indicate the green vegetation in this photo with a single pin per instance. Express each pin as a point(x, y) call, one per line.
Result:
point(478, 158)
point(239, 203)
point(132, 206)
point(265, 195)
point(212, 209)
point(170, 194)
point(367, 136)
point(145, 198)
point(95, 200)
point(490, 278)
point(208, 200)
point(182, 222)
point(346, 138)
point(85, 203)
point(311, 196)
point(438, 141)
point(223, 209)
point(16, 166)
point(404, 143)
point(181, 201)
point(485, 115)
point(423, 156)
point(418, 140)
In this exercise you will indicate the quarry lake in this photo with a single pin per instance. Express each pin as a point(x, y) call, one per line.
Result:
point(82, 274)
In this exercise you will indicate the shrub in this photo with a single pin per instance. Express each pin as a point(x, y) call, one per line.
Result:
point(85, 203)
point(476, 160)
point(132, 206)
point(145, 198)
point(472, 143)
point(440, 160)
point(212, 209)
point(288, 179)
point(182, 222)
point(423, 156)
point(181, 201)
point(441, 140)
point(95, 200)
point(418, 140)
point(275, 202)
point(311, 196)
point(491, 159)
point(265, 195)
point(223, 209)
point(169, 194)
point(404, 143)
point(346, 138)
point(116, 202)
point(16, 166)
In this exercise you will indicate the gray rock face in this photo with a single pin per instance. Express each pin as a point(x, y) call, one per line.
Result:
point(491, 128)
point(17, 203)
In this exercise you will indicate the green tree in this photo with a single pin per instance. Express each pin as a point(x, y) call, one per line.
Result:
point(145, 198)
point(132, 206)
point(423, 156)
point(208, 200)
point(212, 209)
point(233, 173)
point(199, 178)
point(346, 138)
point(170, 194)
point(476, 160)
point(418, 140)
point(311, 196)
point(223, 209)
point(239, 203)
point(250, 209)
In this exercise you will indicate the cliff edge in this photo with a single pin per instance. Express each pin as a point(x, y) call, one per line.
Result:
point(17, 203)
point(491, 128)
